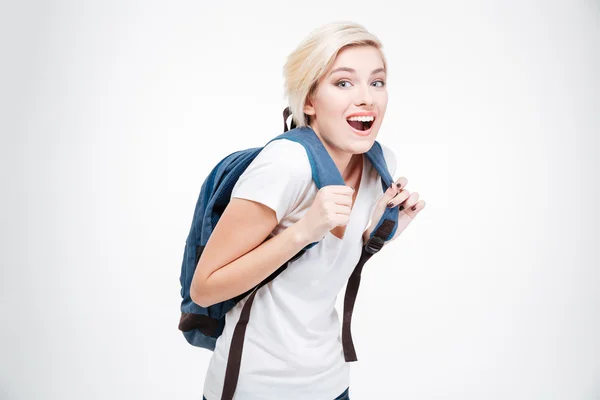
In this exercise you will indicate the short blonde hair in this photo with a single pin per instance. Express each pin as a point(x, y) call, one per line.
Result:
point(314, 56)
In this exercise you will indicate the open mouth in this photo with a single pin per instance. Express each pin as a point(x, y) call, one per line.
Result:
point(361, 124)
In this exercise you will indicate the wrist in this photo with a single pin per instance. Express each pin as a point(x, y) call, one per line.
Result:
point(298, 234)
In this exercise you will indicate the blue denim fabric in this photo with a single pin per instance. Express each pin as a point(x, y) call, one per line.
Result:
point(344, 396)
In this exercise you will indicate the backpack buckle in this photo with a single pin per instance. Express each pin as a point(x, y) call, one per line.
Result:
point(374, 244)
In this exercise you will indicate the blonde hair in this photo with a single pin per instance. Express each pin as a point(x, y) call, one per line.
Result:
point(314, 56)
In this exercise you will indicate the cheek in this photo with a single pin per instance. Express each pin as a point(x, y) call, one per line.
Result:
point(383, 100)
point(332, 104)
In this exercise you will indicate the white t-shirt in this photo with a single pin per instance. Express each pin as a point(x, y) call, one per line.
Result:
point(292, 348)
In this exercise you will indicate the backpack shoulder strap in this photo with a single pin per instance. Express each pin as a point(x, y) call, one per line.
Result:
point(325, 172)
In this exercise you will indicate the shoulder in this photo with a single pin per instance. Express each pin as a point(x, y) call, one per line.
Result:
point(287, 146)
point(390, 158)
point(286, 154)
point(278, 176)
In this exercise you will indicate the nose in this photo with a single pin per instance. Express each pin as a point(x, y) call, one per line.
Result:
point(364, 96)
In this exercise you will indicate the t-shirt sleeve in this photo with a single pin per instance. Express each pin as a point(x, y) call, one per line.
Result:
point(278, 177)
point(390, 159)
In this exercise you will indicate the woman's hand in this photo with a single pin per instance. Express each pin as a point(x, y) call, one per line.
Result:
point(330, 208)
point(410, 206)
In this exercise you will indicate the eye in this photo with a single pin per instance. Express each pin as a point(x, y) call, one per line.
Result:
point(348, 82)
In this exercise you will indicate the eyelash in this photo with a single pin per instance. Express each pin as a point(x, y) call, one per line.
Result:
point(345, 80)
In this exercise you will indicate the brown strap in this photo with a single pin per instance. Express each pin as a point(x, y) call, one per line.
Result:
point(372, 246)
point(232, 371)
point(234, 360)
point(207, 325)
point(286, 115)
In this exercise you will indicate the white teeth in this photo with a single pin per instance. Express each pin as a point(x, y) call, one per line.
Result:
point(362, 119)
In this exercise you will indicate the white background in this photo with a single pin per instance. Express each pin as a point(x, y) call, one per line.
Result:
point(113, 113)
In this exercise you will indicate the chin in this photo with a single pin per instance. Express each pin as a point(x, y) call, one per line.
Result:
point(363, 146)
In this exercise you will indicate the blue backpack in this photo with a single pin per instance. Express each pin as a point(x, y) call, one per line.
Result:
point(201, 326)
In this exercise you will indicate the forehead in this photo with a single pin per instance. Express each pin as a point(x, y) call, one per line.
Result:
point(359, 57)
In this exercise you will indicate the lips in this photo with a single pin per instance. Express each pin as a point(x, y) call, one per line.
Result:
point(362, 114)
point(359, 127)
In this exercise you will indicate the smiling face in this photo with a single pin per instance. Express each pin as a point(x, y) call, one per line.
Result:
point(354, 85)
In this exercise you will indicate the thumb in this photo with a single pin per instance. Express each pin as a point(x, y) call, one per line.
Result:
point(378, 209)
point(389, 194)
point(386, 197)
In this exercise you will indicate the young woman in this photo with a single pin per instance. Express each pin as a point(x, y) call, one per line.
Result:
point(292, 348)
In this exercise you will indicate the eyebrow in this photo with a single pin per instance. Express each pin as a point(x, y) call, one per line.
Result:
point(347, 69)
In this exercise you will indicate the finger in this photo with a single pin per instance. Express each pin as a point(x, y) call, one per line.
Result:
point(343, 210)
point(415, 209)
point(402, 196)
point(409, 202)
point(340, 189)
point(389, 194)
point(401, 182)
point(343, 199)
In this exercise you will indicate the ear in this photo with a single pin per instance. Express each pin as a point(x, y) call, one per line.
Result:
point(309, 109)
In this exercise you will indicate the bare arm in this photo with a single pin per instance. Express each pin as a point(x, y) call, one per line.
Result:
point(237, 258)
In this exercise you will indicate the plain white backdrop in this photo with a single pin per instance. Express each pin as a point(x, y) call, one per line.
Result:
point(113, 113)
